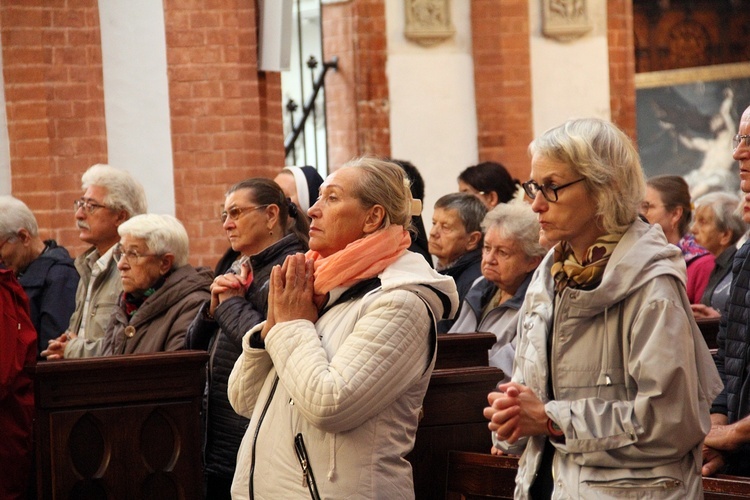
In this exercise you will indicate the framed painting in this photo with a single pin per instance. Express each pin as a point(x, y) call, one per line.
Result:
point(686, 119)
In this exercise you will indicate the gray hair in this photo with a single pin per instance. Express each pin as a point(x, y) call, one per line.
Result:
point(726, 216)
point(470, 209)
point(516, 221)
point(123, 191)
point(603, 155)
point(162, 234)
point(16, 216)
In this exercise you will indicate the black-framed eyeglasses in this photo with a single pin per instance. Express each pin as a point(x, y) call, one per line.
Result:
point(131, 256)
point(235, 212)
point(88, 206)
point(739, 139)
point(549, 191)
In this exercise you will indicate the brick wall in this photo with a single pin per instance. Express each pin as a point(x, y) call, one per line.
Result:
point(55, 105)
point(226, 117)
point(621, 64)
point(502, 79)
point(357, 104)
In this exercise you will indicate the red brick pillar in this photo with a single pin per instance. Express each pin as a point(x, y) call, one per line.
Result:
point(621, 64)
point(357, 106)
point(502, 76)
point(226, 116)
point(55, 105)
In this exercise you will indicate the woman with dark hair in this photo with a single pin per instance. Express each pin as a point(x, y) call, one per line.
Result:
point(490, 182)
point(264, 227)
point(667, 203)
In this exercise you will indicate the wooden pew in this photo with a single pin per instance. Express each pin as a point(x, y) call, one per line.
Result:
point(120, 426)
point(480, 476)
point(461, 350)
point(453, 406)
point(724, 487)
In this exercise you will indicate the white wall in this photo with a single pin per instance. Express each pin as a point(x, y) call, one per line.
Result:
point(4, 138)
point(433, 110)
point(569, 79)
point(136, 96)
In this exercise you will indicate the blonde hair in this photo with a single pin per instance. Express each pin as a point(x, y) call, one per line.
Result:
point(383, 183)
point(603, 155)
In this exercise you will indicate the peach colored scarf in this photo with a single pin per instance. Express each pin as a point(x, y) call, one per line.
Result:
point(360, 259)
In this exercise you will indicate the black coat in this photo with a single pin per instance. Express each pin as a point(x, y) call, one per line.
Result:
point(464, 272)
point(731, 359)
point(223, 338)
point(50, 282)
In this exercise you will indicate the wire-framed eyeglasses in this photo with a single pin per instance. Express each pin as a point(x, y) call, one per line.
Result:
point(88, 206)
point(234, 213)
point(549, 191)
point(130, 256)
point(740, 139)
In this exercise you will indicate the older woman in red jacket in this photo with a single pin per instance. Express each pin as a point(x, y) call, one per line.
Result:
point(17, 349)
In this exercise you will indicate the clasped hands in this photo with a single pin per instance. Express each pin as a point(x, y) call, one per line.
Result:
point(515, 412)
point(291, 293)
point(56, 347)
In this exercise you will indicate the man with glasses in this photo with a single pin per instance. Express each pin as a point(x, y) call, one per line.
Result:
point(727, 446)
point(112, 196)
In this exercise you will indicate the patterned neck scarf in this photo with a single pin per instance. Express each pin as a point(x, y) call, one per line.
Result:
point(568, 272)
point(690, 248)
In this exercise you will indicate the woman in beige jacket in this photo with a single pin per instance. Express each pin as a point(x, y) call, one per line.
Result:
point(612, 380)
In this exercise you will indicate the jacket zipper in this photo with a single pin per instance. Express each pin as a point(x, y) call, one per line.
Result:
point(257, 430)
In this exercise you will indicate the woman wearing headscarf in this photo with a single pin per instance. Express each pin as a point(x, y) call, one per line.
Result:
point(334, 380)
point(612, 381)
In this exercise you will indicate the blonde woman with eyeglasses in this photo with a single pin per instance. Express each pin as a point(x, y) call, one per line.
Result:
point(612, 380)
point(263, 226)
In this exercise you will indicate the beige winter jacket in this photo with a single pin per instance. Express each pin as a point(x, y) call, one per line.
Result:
point(632, 377)
point(352, 384)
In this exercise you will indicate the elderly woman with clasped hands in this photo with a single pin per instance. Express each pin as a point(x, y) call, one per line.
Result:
point(333, 381)
point(612, 381)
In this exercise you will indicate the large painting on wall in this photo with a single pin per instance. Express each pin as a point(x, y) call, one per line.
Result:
point(686, 119)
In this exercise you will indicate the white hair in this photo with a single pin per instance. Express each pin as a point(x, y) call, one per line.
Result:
point(123, 191)
point(517, 221)
point(16, 216)
point(162, 234)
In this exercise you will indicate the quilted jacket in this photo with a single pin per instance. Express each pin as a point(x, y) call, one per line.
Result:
point(223, 338)
point(731, 359)
point(351, 384)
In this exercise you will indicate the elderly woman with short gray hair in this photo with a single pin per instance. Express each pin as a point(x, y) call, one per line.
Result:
point(161, 291)
point(510, 254)
point(717, 226)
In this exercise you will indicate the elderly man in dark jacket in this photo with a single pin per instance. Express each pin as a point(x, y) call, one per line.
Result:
point(727, 446)
point(44, 270)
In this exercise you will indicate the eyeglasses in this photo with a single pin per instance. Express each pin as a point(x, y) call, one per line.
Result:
point(549, 191)
point(88, 206)
point(739, 139)
point(130, 256)
point(646, 206)
point(235, 212)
